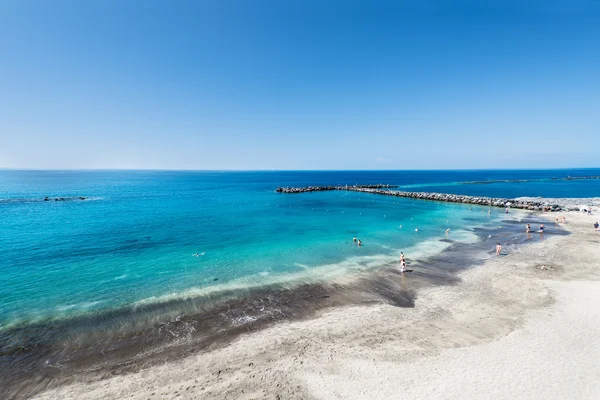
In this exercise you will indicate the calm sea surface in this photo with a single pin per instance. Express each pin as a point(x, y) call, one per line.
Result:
point(134, 239)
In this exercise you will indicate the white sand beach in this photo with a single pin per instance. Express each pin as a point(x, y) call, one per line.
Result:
point(508, 330)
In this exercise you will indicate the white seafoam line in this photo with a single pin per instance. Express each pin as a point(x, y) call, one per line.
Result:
point(318, 274)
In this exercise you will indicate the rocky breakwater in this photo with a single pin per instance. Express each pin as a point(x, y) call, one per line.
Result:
point(524, 204)
point(329, 188)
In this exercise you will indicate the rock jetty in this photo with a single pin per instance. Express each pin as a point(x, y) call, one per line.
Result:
point(326, 188)
point(524, 204)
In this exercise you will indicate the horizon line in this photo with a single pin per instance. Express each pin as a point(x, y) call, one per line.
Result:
point(284, 170)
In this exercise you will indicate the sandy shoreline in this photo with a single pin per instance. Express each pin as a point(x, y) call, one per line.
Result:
point(507, 330)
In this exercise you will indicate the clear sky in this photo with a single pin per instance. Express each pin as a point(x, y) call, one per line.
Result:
point(299, 84)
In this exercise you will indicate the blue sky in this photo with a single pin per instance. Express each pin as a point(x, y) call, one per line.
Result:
point(299, 85)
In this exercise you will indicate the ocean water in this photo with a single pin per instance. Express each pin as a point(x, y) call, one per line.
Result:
point(133, 240)
point(155, 260)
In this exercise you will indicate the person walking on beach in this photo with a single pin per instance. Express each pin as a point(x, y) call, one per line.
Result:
point(564, 219)
point(596, 225)
point(498, 249)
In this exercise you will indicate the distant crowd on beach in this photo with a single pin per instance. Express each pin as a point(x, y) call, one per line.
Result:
point(559, 219)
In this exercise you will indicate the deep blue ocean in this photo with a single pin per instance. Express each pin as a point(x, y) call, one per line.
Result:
point(134, 238)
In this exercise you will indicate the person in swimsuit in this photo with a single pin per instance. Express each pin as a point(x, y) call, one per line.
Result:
point(359, 242)
point(542, 227)
point(498, 249)
point(447, 231)
point(528, 229)
point(354, 239)
point(596, 225)
point(403, 264)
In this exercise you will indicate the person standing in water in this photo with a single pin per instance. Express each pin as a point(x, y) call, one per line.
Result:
point(528, 229)
point(354, 239)
point(359, 242)
point(498, 249)
point(403, 266)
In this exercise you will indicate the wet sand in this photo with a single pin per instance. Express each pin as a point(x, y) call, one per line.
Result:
point(377, 336)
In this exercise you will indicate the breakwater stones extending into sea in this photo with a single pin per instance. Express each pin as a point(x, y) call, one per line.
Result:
point(524, 204)
point(326, 188)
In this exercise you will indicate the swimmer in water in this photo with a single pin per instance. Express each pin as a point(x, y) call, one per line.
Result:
point(447, 231)
point(354, 239)
point(197, 255)
point(359, 242)
point(416, 229)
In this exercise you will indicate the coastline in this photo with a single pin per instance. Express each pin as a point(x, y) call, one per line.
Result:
point(127, 341)
point(341, 349)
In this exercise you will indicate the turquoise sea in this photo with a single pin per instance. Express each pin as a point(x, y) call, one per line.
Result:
point(132, 242)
